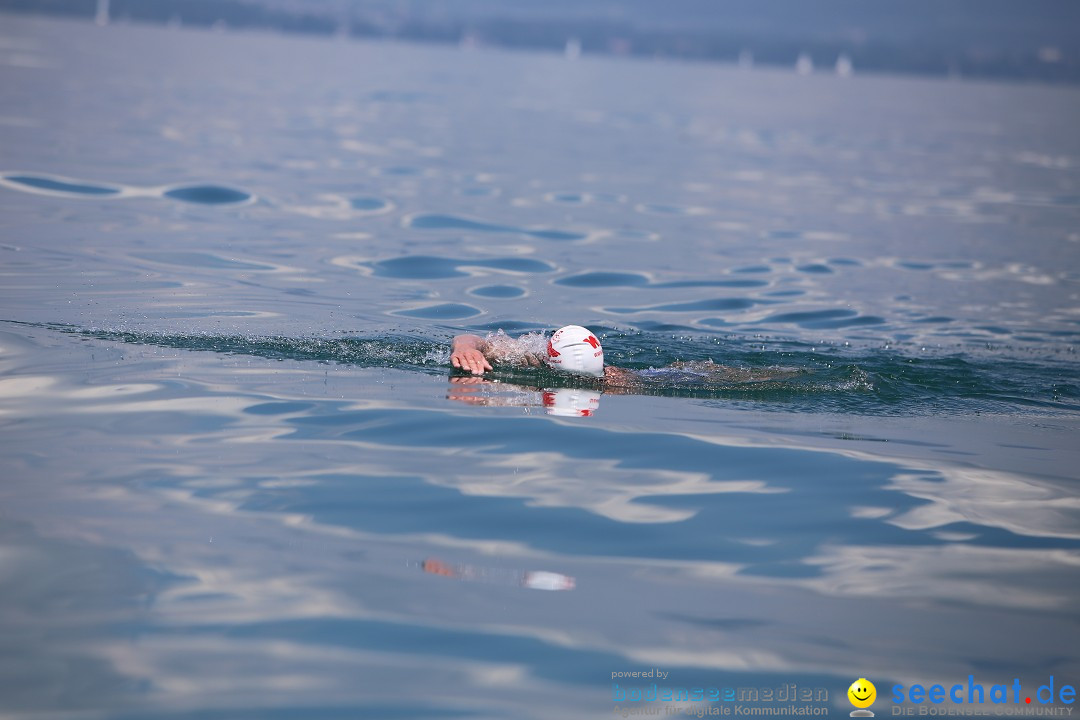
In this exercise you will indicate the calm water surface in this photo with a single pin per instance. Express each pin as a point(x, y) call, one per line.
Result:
point(238, 480)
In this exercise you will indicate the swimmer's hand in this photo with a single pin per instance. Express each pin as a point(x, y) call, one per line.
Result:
point(468, 354)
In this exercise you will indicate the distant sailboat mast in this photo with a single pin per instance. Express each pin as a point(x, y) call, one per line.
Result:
point(804, 65)
point(573, 49)
point(102, 15)
point(344, 21)
point(844, 66)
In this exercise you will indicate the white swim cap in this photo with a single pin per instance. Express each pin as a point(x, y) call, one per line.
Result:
point(571, 402)
point(576, 350)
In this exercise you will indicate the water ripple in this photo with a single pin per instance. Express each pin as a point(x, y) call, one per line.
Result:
point(697, 305)
point(56, 186)
point(431, 267)
point(59, 186)
point(600, 279)
point(825, 319)
point(441, 311)
point(454, 222)
point(208, 195)
point(604, 279)
point(498, 291)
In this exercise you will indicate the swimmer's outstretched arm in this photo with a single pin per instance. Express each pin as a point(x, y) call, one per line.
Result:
point(474, 354)
point(470, 353)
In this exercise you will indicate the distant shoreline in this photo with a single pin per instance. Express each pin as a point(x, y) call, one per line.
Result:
point(574, 37)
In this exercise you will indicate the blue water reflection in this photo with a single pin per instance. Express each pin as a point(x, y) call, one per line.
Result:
point(234, 458)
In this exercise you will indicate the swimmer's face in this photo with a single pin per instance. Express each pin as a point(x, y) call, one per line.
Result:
point(862, 693)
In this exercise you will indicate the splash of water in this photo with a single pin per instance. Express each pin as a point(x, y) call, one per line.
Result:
point(785, 375)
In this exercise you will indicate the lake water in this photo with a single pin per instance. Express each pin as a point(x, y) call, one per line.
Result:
point(238, 480)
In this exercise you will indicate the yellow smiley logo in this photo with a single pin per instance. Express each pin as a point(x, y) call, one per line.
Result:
point(862, 693)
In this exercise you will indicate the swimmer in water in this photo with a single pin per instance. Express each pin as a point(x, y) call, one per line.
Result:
point(576, 350)
point(571, 349)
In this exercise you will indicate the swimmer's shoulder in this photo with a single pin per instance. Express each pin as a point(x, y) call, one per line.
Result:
point(620, 376)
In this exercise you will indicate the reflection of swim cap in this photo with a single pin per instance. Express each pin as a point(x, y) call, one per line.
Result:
point(574, 349)
point(571, 402)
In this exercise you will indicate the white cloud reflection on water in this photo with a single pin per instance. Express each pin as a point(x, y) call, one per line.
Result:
point(262, 568)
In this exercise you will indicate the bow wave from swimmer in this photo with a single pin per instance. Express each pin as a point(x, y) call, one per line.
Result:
point(785, 374)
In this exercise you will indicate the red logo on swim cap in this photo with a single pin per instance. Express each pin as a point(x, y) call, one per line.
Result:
point(593, 341)
point(552, 352)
